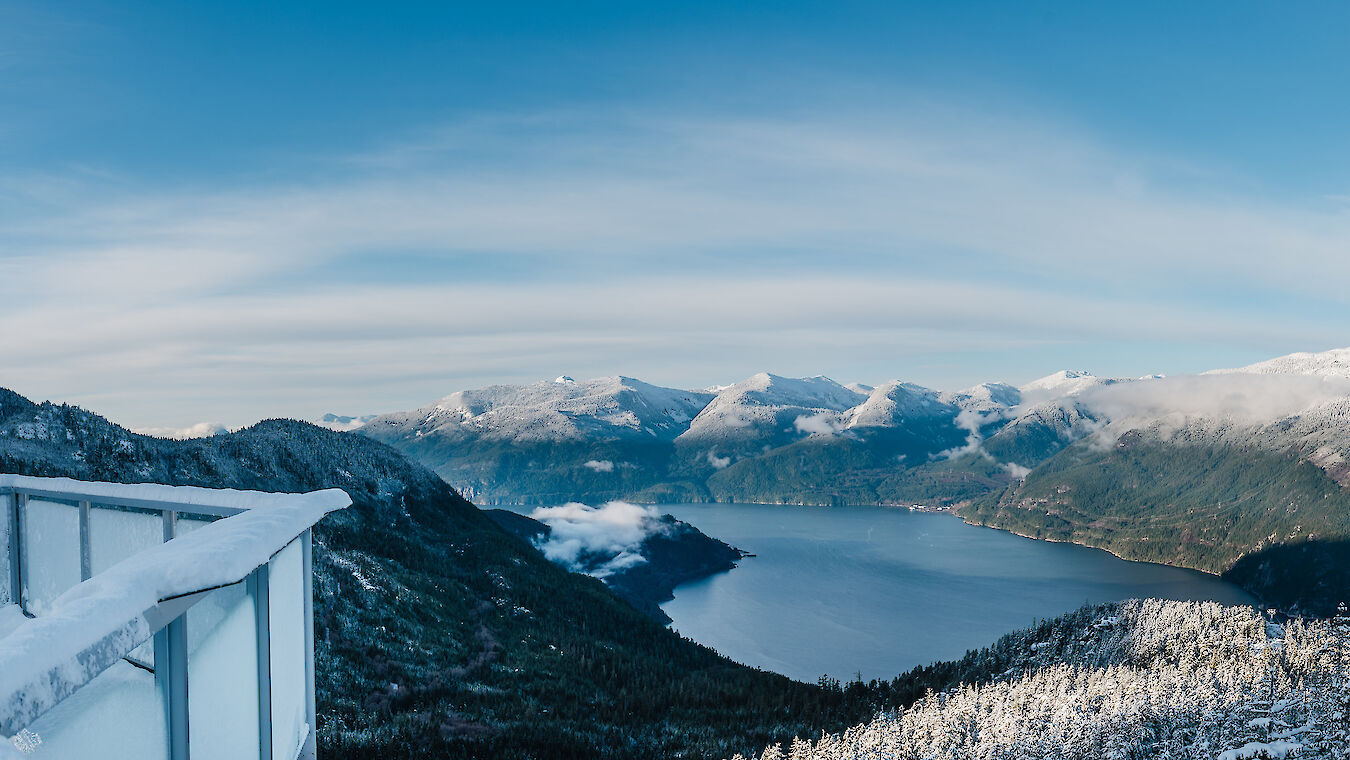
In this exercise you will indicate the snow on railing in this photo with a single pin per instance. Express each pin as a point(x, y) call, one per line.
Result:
point(109, 578)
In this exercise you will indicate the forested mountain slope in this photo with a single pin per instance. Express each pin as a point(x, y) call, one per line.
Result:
point(1241, 472)
point(437, 633)
point(1143, 679)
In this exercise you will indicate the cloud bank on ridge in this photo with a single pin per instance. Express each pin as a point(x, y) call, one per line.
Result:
point(598, 541)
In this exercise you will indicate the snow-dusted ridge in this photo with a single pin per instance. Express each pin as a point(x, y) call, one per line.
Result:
point(618, 437)
point(562, 409)
point(1333, 364)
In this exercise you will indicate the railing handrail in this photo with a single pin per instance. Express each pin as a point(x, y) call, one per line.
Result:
point(154, 496)
point(154, 505)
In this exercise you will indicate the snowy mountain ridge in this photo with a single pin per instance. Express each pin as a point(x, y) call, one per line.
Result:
point(565, 408)
point(561, 409)
point(1333, 364)
point(619, 437)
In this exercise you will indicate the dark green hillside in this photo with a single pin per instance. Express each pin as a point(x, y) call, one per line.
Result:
point(944, 482)
point(1035, 438)
point(1183, 503)
point(439, 635)
point(496, 471)
point(1311, 577)
point(846, 469)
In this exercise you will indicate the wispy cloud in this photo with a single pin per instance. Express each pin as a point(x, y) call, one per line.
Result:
point(637, 242)
point(824, 423)
point(199, 430)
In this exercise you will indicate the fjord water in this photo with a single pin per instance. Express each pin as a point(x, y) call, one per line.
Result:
point(876, 591)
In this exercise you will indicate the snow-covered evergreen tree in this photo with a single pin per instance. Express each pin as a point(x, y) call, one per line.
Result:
point(1144, 679)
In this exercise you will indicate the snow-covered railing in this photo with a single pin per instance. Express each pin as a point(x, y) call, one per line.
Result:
point(150, 621)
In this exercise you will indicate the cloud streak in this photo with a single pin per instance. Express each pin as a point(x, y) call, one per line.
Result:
point(682, 247)
point(824, 423)
point(199, 430)
point(1240, 398)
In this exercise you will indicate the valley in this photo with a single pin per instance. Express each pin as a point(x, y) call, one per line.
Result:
point(441, 632)
point(891, 590)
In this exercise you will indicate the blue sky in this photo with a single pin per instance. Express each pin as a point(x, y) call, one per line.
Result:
point(226, 211)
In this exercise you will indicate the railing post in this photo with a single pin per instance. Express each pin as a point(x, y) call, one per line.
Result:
point(311, 749)
point(15, 542)
point(85, 572)
point(176, 684)
point(258, 586)
point(20, 507)
point(170, 520)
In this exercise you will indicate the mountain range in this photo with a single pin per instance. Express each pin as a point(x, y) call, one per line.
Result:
point(1212, 471)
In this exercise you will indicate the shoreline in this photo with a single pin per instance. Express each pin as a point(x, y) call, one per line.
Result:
point(1067, 567)
point(967, 521)
point(953, 511)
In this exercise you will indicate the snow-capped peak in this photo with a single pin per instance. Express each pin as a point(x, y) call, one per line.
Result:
point(564, 380)
point(984, 397)
point(893, 402)
point(765, 401)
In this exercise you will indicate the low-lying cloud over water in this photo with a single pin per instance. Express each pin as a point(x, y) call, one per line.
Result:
point(598, 541)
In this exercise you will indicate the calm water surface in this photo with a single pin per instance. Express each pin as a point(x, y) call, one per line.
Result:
point(875, 590)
